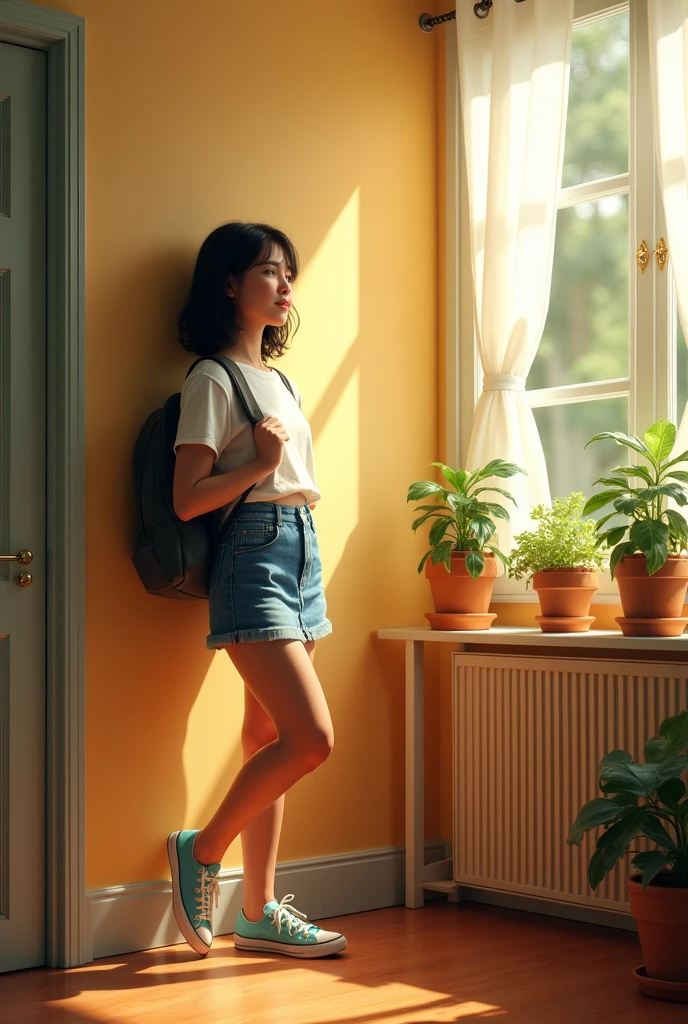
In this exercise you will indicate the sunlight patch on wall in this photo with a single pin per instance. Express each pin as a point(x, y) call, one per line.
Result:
point(327, 297)
point(337, 460)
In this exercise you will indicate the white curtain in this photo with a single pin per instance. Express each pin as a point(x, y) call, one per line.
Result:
point(668, 25)
point(514, 79)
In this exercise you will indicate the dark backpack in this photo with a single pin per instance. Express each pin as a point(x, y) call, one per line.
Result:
point(171, 556)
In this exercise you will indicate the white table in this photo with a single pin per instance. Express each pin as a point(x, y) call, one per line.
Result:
point(438, 875)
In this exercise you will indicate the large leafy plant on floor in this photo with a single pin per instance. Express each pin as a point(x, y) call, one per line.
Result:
point(461, 515)
point(642, 800)
point(652, 530)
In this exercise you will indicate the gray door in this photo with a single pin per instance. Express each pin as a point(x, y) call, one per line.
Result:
point(22, 505)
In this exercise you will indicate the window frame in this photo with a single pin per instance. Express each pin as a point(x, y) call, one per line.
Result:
point(651, 384)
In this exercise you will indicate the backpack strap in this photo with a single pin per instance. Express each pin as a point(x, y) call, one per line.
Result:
point(240, 386)
point(245, 394)
point(285, 381)
point(253, 413)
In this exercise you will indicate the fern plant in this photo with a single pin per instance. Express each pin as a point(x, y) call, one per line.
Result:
point(561, 540)
point(463, 520)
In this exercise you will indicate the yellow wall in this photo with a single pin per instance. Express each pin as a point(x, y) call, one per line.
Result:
point(320, 118)
point(524, 614)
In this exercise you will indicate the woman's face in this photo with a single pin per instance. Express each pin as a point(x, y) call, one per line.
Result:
point(264, 294)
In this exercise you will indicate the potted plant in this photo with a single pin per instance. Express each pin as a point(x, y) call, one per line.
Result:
point(648, 800)
point(561, 558)
point(461, 566)
point(648, 558)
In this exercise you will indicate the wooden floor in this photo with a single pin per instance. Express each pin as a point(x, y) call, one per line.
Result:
point(440, 964)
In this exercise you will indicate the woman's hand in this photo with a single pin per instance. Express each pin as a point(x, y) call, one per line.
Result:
point(270, 435)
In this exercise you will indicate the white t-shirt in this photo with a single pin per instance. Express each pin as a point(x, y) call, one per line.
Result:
point(212, 414)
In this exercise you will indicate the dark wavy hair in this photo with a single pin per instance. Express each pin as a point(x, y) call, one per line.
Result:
point(207, 322)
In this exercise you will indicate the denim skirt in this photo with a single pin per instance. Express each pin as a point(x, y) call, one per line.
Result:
point(266, 578)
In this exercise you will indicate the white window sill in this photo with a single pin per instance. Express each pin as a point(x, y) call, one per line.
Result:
point(534, 637)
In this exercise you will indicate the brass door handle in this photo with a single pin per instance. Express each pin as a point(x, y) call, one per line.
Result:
point(642, 256)
point(24, 557)
point(24, 579)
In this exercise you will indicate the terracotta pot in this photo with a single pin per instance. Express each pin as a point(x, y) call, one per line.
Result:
point(460, 601)
point(565, 596)
point(652, 605)
point(661, 914)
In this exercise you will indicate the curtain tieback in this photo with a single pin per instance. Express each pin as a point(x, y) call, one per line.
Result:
point(503, 382)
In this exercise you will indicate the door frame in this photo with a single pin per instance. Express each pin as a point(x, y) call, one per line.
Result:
point(61, 36)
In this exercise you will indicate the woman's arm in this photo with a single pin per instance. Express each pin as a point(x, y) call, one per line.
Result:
point(195, 491)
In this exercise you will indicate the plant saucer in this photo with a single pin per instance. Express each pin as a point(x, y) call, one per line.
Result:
point(674, 991)
point(652, 627)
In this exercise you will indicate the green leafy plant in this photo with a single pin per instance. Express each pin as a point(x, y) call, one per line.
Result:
point(562, 540)
point(642, 800)
point(653, 530)
point(462, 514)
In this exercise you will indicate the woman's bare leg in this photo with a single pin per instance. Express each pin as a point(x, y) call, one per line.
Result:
point(260, 838)
point(280, 675)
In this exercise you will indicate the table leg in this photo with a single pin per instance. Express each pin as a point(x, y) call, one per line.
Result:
point(415, 802)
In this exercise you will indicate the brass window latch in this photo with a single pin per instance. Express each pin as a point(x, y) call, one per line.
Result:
point(661, 251)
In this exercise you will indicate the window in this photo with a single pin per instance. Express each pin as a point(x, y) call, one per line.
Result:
point(612, 356)
point(585, 348)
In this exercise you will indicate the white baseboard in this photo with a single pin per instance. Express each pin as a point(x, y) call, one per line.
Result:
point(128, 918)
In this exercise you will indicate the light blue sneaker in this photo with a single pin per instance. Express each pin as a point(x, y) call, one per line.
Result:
point(195, 891)
point(280, 931)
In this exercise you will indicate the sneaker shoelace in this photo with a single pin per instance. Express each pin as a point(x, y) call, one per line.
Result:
point(286, 915)
point(207, 896)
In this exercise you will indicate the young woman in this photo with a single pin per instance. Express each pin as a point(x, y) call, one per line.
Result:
point(267, 605)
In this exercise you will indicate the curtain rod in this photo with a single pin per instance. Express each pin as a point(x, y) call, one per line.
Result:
point(481, 10)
